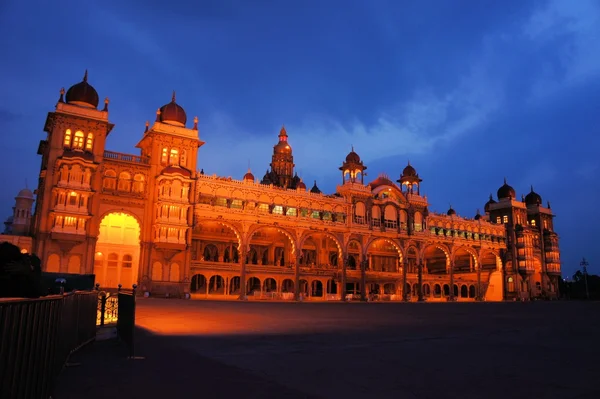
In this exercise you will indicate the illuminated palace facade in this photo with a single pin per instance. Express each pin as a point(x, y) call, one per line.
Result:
point(154, 220)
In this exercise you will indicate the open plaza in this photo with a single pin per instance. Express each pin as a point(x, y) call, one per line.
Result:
point(349, 350)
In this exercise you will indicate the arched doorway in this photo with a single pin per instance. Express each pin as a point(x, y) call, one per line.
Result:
point(117, 251)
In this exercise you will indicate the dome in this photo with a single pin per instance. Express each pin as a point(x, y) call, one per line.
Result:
point(352, 157)
point(487, 204)
point(301, 185)
point(172, 169)
point(533, 198)
point(173, 114)
point(315, 189)
point(282, 148)
point(451, 212)
point(83, 94)
point(506, 191)
point(409, 171)
point(25, 193)
point(249, 176)
point(477, 215)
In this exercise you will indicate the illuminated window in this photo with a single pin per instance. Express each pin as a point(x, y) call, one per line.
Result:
point(505, 219)
point(174, 157)
point(124, 182)
point(89, 142)
point(278, 210)
point(70, 221)
point(221, 202)
point(263, 208)
point(533, 222)
point(110, 180)
point(78, 140)
point(498, 220)
point(113, 260)
point(164, 156)
point(138, 183)
point(67, 141)
point(73, 198)
point(291, 212)
point(545, 224)
point(237, 204)
point(98, 259)
point(127, 261)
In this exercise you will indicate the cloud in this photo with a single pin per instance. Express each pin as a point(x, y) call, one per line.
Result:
point(572, 28)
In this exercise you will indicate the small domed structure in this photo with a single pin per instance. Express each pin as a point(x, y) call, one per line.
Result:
point(301, 185)
point(25, 193)
point(249, 176)
point(477, 215)
point(172, 113)
point(409, 171)
point(352, 157)
point(491, 201)
point(83, 94)
point(506, 191)
point(533, 198)
point(451, 211)
point(315, 189)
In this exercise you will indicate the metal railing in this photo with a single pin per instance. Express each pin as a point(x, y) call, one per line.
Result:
point(36, 338)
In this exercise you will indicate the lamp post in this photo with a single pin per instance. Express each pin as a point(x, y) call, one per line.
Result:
point(584, 264)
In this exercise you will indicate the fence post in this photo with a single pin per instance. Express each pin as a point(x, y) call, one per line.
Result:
point(133, 322)
point(102, 307)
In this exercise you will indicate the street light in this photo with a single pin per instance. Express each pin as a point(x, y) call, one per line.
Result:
point(584, 263)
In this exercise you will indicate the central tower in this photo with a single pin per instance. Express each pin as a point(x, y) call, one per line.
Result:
point(282, 165)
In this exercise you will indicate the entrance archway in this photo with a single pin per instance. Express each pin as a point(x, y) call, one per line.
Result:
point(117, 256)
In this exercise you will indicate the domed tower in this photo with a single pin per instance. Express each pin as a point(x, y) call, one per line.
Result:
point(451, 211)
point(21, 223)
point(249, 176)
point(352, 167)
point(506, 191)
point(490, 202)
point(282, 163)
point(409, 179)
point(533, 198)
point(69, 185)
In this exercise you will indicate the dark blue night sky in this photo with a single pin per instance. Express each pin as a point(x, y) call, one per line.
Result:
point(469, 91)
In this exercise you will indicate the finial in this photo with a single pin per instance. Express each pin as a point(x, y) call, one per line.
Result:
point(26, 184)
point(505, 180)
point(532, 188)
point(352, 147)
point(158, 115)
point(62, 95)
point(195, 123)
point(173, 98)
point(106, 104)
point(548, 203)
point(85, 76)
point(202, 171)
point(147, 124)
point(522, 198)
point(409, 162)
point(491, 197)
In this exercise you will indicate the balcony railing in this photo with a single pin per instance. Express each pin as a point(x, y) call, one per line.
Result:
point(117, 156)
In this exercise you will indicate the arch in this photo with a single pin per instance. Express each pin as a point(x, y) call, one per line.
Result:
point(216, 285)
point(174, 272)
point(283, 231)
point(118, 233)
point(436, 258)
point(389, 288)
point(354, 244)
point(464, 291)
point(490, 261)
point(269, 285)
point(198, 283)
point(465, 259)
point(388, 240)
point(426, 290)
point(390, 212)
point(74, 266)
point(210, 253)
point(252, 285)
point(287, 285)
point(235, 285)
point(230, 226)
point(53, 263)
point(306, 236)
point(157, 271)
point(316, 288)
point(471, 291)
point(437, 290)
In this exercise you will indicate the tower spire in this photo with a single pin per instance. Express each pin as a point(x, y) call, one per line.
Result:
point(173, 97)
point(85, 76)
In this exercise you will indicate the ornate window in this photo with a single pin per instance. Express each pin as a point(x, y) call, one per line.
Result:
point(174, 156)
point(164, 156)
point(110, 180)
point(124, 182)
point(138, 183)
point(67, 140)
point(113, 260)
point(89, 143)
point(73, 198)
point(533, 222)
point(127, 261)
point(505, 219)
point(498, 220)
point(78, 140)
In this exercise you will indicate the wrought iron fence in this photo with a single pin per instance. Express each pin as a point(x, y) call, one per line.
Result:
point(36, 338)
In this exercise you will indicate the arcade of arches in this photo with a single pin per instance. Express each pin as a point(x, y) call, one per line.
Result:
point(270, 257)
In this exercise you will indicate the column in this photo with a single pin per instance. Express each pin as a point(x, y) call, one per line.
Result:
point(478, 296)
point(451, 296)
point(297, 276)
point(420, 282)
point(363, 279)
point(342, 289)
point(404, 271)
point(243, 254)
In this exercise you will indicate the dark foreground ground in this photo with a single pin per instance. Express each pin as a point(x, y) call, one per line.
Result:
point(348, 350)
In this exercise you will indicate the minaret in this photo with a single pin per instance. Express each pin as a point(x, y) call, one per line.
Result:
point(21, 224)
point(282, 163)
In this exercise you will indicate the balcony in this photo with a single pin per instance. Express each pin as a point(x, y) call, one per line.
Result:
point(117, 156)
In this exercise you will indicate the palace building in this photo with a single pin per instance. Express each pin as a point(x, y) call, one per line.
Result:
point(155, 220)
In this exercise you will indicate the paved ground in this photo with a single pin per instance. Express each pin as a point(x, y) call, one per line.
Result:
point(351, 350)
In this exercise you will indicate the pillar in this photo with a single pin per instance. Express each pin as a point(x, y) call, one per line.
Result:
point(420, 282)
point(363, 279)
point(451, 296)
point(404, 271)
point(478, 296)
point(243, 254)
point(342, 289)
point(297, 276)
